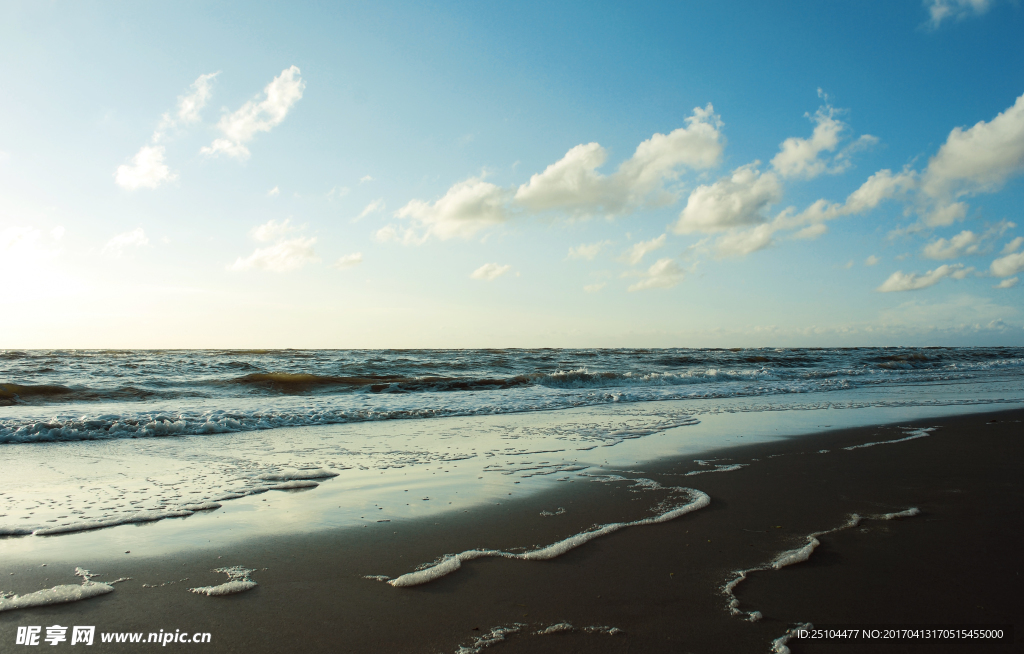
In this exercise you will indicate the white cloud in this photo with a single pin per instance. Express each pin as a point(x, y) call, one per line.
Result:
point(365, 178)
point(258, 115)
point(940, 10)
point(272, 230)
point(799, 157)
point(338, 192)
point(636, 253)
point(812, 232)
point(188, 107)
point(147, 169)
point(978, 159)
point(280, 257)
point(739, 243)
point(587, 250)
point(57, 233)
point(574, 185)
point(1013, 245)
point(348, 261)
point(490, 271)
point(373, 207)
point(966, 242)
point(1007, 283)
point(871, 260)
point(733, 201)
point(274, 192)
point(465, 209)
point(1011, 264)
point(899, 281)
point(594, 288)
point(665, 273)
point(117, 245)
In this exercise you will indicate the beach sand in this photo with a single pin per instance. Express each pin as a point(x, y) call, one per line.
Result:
point(957, 562)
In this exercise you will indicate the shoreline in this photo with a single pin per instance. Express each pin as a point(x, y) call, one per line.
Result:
point(659, 584)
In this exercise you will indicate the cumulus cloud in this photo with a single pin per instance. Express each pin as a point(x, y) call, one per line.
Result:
point(373, 207)
point(1011, 264)
point(117, 245)
point(1007, 283)
point(733, 201)
point(147, 169)
point(281, 257)
point(899, 281)
point(871, 260)
point(490, 271)
point(1013, 245)
point(587, 250)
point(940, 10)
point(258, 115)
point(636, 253)
point(979, 159)
point(465, 209)
point(348, 261)
point(665, 273)
point(966, 242)
point(799, 157)
point(574, 185)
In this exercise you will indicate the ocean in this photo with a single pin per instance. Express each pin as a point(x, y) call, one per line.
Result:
point(65, 395)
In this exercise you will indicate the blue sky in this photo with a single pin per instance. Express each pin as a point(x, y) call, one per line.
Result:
point(539, 174)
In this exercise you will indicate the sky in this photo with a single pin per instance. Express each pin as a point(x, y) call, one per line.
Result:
point(536, 174)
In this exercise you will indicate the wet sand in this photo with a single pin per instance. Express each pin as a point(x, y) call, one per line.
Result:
point(957, 562)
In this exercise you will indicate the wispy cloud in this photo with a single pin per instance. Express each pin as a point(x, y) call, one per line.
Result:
point(281, 257)
point(665, 273)
point(490, 271)
point(940, 10)
point(147, 168)
point(587, 250)
point(258, 115)
point(899, 281)
point(119, 244)
point(636, 253)
point(373, 207)
point(348, 261)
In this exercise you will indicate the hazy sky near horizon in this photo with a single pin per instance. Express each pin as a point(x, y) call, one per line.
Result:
point(468, 174)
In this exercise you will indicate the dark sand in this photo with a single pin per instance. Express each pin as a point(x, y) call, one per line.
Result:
point(958, 562)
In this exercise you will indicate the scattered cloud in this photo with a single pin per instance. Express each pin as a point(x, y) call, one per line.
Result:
point(940, 10)
point(665, 273)
point(272, 230)
point(365, 178)
point(966, 242)
point(281, 257)
point(801, 158)
point(274, 192)
point(636, 253)
point(899, 281)
point(188, 108)
point(594, 288)
point(147, 169)
point(490, 271)
point(348, 261)
point(733, 201)
point(258, 115)
point(1011, 264)
point(1013, 245)
point(871, 260)
point(587, 250)
point(373, 207)
point(465, 209)
point(574, 185)
point(1010, 282)
point(117, 245)
point(338, 192)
